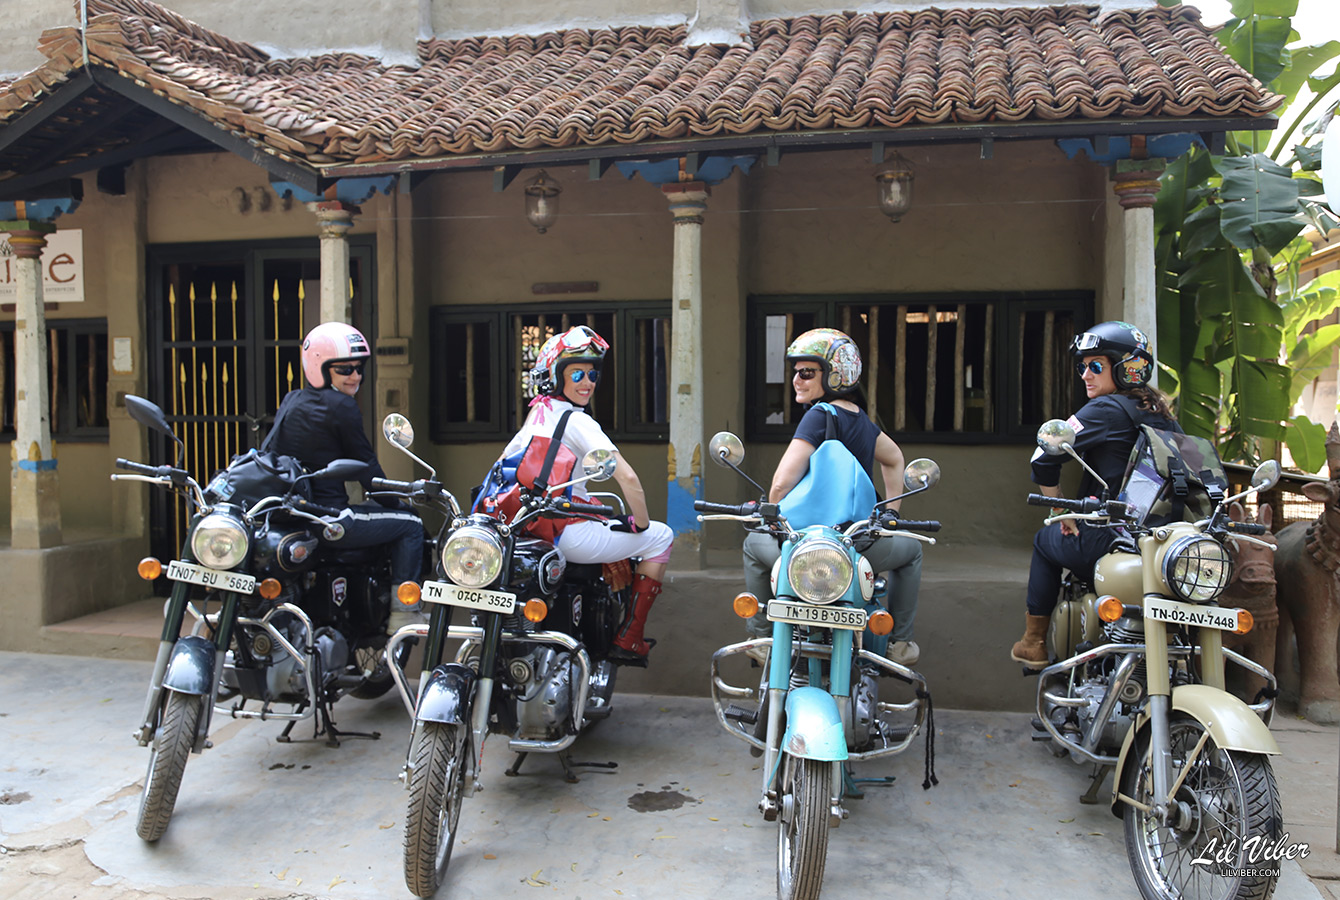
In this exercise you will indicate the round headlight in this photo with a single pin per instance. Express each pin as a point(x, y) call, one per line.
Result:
point(820, 571)
point(1197, 568)
point(219, 541)
point(472, 557)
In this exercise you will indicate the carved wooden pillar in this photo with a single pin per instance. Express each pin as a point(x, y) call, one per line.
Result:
point(335, 217)
point(1136, 183)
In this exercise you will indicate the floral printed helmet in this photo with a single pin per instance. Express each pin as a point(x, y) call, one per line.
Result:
point(1125, 345)
point(836, 355)
point(327, 343)
point(578, 344)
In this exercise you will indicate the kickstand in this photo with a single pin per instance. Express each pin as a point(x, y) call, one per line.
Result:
point(567, 762)
point(1090, 797)
point(325, 725)
point(850, 782)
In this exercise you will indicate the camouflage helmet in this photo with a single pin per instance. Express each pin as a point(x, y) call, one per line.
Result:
point(1125, 345)
point(836, 355)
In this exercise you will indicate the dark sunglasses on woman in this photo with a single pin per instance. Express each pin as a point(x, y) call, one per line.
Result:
point(347, 370)
point(578, 374)
point(1095, 366)
point(806, 374)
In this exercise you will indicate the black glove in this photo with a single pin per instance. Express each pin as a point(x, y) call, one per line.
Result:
point(627, 525)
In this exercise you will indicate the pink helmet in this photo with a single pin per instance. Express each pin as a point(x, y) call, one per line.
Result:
point(327, 343)
point(578, 344)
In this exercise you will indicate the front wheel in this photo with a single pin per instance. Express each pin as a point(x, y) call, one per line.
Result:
point(1228, 798)
point(802, 834)
point(436, 788)
point(167, 762)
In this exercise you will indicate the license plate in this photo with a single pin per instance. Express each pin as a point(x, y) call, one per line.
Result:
point(469, 598)
point(236, 582)
point(1177, 613)
point(806, 614)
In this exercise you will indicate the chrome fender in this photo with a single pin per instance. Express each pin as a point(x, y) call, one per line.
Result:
point(1229, 720)
point(446, 695)
point(813, 726)
point(190, 669)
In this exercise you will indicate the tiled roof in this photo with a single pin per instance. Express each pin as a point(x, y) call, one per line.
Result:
point(588, 87)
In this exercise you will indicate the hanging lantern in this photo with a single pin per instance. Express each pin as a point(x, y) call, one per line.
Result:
point(894, 182)
point(542, 201)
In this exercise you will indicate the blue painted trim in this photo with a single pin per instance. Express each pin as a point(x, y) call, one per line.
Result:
point(347, 190)
point(37, 465)
point(711, 169)
point(37, 209)
point(1158, 146)
point(679, 512)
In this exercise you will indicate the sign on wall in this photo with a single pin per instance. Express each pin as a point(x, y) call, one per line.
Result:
point(62, 268)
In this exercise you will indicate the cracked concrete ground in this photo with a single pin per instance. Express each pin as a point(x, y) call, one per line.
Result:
point(259, 820)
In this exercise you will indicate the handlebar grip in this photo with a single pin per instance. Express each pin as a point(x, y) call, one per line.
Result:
point(309, 506)
point(137, 467)
point(1041, 500)
point(911, 524)
point(1247, 527)
point(567, 506)
point(743, 509)
point(1083, 505)
point(388, 484)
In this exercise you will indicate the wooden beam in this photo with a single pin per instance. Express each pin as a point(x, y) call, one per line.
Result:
point(19, 185)
point(46, 109)
point(503, 176)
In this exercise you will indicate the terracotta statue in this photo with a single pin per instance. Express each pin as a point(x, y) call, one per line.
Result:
point(1306, 563)
point(1252, 589)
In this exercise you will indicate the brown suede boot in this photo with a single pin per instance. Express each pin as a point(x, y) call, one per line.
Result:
point(630, 647)
point(1031, 650)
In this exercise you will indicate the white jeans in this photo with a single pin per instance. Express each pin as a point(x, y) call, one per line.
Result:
point(594, 542)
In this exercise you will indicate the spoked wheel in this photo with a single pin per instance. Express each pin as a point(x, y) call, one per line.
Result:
point(167, 762)
point(436, 788)
point(372, 659)
point(802, 834)
point(1228, 798)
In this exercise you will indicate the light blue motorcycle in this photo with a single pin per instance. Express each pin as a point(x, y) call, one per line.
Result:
point(817, 709)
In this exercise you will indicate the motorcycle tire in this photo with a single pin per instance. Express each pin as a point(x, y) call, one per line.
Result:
point(437, 756)
point(802, 827)
point(373, 657)
point(167, 762)
point(1229, 794)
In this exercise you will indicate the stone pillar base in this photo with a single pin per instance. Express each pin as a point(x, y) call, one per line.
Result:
point(35, 505)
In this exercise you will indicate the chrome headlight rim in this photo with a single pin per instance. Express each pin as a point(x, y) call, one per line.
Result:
point(1205, 568)
point(478, 540)
point(220, 541)
point(829, 590)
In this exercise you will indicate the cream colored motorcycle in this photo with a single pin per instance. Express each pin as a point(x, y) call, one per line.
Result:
point(1139, 691)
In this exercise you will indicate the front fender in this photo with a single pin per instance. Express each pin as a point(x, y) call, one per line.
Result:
point(813, 726)
point(1230, 721)
point(446, 696)
point(190, 669)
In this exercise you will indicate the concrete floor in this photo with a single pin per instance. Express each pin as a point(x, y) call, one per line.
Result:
point(677, 818)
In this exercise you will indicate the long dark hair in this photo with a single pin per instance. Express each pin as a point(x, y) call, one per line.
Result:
point(1153, 400)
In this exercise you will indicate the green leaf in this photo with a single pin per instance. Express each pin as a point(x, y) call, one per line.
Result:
point(1257, 190)
point(1303, 62)
point(1263, 397)
point(1311, 356)
point(1246, 8)
point(1257, 44)
point(1309, 158)
point(1307, 444)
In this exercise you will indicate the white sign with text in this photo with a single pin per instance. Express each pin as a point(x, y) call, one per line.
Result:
point(62, 268)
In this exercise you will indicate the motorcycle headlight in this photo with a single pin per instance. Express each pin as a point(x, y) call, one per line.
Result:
point(472, 557)
point(220, 541)
point(820, 571)
point(1197, 568)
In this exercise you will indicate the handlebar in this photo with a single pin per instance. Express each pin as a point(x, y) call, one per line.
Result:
point(388, 484)
point(314, 508)
point(567, 506)
point(743, 509)
point(1246, 527)
point(154, 471)
point(894, 524)
point(1083, 505)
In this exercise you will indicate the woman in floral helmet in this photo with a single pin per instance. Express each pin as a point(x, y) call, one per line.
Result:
point(566, 373)
point(825, 366)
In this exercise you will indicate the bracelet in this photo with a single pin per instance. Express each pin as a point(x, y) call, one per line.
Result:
point(1059, 510)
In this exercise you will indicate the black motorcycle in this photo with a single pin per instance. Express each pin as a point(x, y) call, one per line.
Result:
point(534, 663)
point(278, 619)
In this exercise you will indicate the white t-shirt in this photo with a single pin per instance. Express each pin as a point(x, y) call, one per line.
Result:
point(581, 434)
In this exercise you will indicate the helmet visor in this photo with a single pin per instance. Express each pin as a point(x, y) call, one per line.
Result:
point(1086, 341)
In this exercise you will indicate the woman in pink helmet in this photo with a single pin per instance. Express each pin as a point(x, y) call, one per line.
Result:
point(565, 375)
point(321, 422)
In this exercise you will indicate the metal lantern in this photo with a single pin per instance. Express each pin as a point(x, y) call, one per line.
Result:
point(542, 201)
point(894, 182)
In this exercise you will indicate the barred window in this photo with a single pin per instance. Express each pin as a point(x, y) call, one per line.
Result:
point(77, 379)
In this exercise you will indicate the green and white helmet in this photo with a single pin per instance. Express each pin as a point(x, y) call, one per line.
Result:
point(836, 355)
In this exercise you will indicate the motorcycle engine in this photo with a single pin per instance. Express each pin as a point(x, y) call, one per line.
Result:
point(1115, 728)
point(272, 674)
point(543, 681)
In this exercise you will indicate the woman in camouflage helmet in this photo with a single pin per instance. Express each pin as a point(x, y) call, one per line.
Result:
point(826, 366)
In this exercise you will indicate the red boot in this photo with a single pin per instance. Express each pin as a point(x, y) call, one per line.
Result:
point(630, 647)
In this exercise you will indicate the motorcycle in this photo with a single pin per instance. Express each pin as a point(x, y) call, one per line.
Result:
point(533, 664)
point(292, 623)
point(817, 709)
point(1138, 689)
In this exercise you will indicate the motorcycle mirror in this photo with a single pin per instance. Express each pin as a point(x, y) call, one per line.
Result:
point(148, 414)
point(398, 430)
point(921, 473)
point(341, 469)
point(1055, 437)
point(1267, 475)
point(726, 449)
point(599, 464)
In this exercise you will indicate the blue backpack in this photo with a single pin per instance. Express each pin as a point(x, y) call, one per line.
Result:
point(836, 489)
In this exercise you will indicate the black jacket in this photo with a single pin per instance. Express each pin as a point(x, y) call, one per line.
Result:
point(321, 425)
point(1105, 431)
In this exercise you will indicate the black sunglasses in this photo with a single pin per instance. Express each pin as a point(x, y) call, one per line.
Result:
point(1095, 366)
point(578, 374)
point(348, 370)
point(806, 374)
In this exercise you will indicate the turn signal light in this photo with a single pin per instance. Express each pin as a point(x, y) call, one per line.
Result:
point(1245, 622)
point(149, 568)
point(407, 592)
point(880, 622)
point(269, 588)
point(535, 610)
point(1110, 609)
point(745, 605)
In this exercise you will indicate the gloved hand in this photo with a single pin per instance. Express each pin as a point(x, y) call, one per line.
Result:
point(627, 524)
